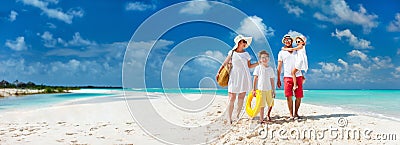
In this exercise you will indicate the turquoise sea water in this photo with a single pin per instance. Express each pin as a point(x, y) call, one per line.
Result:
point(382, 103)
point(42, 100)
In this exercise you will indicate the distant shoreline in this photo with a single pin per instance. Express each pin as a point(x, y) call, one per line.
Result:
point(8, 92)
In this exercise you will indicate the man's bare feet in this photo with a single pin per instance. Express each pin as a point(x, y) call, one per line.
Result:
point(296, 117)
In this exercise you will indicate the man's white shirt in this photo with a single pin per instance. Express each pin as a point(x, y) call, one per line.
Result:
point(288, 61)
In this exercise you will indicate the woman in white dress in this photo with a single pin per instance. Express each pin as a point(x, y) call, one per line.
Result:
point(239, 77)
point(301, 58)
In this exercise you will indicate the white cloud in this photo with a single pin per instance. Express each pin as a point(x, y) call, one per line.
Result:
point(253, 26)
point(382, 62)
point(55, 13)
point(339, 12)
point(359, 73)
point(321, 16)
point(108, 51)
point(137, 52)
point(196, 7)
point(294, 34)
point(394, 25)
point(95, 64)
point(215, 54)
point(51, 25)
point(66, 17)
point(357, 70)
point(359, 67)
point(353, 40)
point(357, 53)
point(330, 67)
point(13, 16)
point(77, 40)
point(104, 69)
point(48, 39)
point(16, 68)
point(344, 63)
point(17, 45)
point(396, 72)
point(69, 72)
point(139, 6)
point(136, 59)
point(36, 3)
point(293, 9)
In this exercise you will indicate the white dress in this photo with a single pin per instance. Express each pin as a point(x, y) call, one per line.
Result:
point(239, 78)
point(301, 60)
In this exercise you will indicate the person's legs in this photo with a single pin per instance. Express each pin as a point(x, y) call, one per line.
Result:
point(270, 103)
point(262, 95)
point(290, 105)
point(296, 107)
point(262, 114)
point(232, 98)
point(294, 78)
point(269, 113)
point(240, 103)
point(299, 95)
point(288, 85)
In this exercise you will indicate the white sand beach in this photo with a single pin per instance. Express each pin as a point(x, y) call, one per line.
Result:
point(6, 92)
point(106, 120)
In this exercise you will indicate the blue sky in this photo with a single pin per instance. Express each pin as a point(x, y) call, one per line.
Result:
point(351, 44)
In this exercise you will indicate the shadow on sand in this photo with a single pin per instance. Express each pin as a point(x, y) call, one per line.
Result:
point(286, 119)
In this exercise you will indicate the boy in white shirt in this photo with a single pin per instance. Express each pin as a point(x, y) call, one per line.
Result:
point(264, 81)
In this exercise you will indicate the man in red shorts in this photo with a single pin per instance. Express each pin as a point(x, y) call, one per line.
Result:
point(287, 58)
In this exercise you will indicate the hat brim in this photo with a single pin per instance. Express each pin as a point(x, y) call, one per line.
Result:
point(283, 39)
point(247, 39)
point(302, 38)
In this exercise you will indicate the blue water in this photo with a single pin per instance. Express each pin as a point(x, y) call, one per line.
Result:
point(384, 103)
point(42, 100)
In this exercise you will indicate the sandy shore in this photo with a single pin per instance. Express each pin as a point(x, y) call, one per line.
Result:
point(107, 120)
point(7, 92)
point(13, 92)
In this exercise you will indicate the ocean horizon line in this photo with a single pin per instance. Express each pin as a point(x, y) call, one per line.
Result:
point(276, 89)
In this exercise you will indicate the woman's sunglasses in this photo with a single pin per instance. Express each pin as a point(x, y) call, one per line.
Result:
point(298, 41)
point(243, 41)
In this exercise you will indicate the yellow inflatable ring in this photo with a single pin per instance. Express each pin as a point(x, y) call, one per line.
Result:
point(253, 112)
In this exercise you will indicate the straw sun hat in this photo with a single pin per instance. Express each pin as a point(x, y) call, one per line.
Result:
point(302, 38)
point(286, 37)
point(241, 37)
